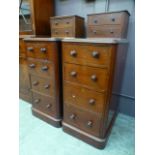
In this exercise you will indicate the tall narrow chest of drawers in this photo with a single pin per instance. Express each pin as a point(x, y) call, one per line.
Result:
point(44, 72)
point(88, 72)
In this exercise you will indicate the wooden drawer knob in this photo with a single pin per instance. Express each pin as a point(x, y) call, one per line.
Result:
point(67, 32)
point(94, 31)
point(48, 106)
point(73, 73)
point(35, 83)
point(44, 68)
point(111, 32)
point(67, 22)
point(56, 23)
point(113, 19)
point(32, 65)
point(95, 54)
point(46, 86)
point(43, 50)
point(30, 49)
point(92, 101)
point(56, 32)
point(89, 124)
point(94, 77)
point(95, 21)
point(36, 100)
point(73, 53)
point(72, 116)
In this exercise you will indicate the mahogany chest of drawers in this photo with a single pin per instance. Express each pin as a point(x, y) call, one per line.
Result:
point(45, 78)
point(88, 72)
point(67, 26)
point(110, 24)
point(24, 83)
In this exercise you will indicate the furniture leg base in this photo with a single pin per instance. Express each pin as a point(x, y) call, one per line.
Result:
point(49, 119)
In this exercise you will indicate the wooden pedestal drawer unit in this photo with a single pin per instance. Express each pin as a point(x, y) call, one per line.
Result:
point(24, 83)
point(44, 66)
point(109, 24)
point(88, 73)
point(67, 26)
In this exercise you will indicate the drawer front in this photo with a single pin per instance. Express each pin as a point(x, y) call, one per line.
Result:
point(101, 19)
point(41, 50)
point(41, 68)
point(62, 22)
point(64, 32)
point(83, 120)
point(84, 98)
point(42, 85)
point(21, 47)
point(44, 104)
point(86, 54)
point(99, 31)
point(94, 78)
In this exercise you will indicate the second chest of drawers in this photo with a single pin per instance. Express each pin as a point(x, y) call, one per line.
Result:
point(44, 73)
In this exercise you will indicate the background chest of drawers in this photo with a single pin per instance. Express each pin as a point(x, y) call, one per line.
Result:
point(24, 83)
point(67, 26)
point(111, 24)
point(44, 72)
point(88, 71)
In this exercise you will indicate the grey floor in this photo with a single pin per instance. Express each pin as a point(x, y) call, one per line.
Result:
point(39, 138)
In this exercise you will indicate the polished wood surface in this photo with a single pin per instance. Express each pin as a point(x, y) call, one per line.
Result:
point(88, 71)
point(67, 26)
point(24, 83)
point(111, 24)
point(44, 70)
point(41, 11)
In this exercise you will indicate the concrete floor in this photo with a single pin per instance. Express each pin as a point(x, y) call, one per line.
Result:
point(39, 138)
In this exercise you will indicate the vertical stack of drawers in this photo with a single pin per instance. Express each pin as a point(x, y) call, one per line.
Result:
point(67, 26)
point(88, 69)
point(44, 73)
point(110, 24)
point(24, 84)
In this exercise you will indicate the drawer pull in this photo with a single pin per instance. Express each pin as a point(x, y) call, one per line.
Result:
point(73, 73)
point(56, 32)
point(36, 100)
point(73, 96)
point(95, 54)
point(32, 65)
point(92, 101)
point(72, 116)
point(73, 53)
point(113, 19)
point(89, 124)
point(30, 49)
point(95, 21)
point(48, 106)
point(111, 32)
point(67, 32)
point(43, 50)
point(46, 86)
point(35, 83)
point(56, 23)
point(94, 77)
point(67, 22)
point(94, 32)
point(44, 68)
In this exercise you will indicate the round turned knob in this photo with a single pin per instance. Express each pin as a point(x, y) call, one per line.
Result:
point(35, 83)
point(73, 73)
point(95, 54)
point(111, 32)
point(67, 22)
point(72, 116)
point(43, 50)
point(44, 68)
point(73, 96)
point(46, 86)
point(73, 53)
point(94, 77)
point(89, 124)
point(56, 23)
point(92, 101)
point(94, 32)
point(56, 32)
point(48, 106)
point(30, 49)
point(32, 65)
point(67, 32)
point(113, 19)
point(36, 100)
point(95, 21)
